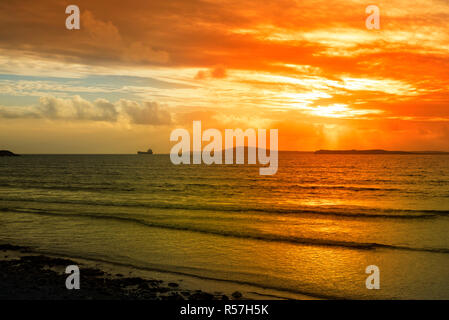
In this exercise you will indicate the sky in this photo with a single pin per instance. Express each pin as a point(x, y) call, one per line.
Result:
point(137, 70)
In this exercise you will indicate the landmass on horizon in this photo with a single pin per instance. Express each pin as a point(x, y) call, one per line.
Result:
point(377, 151)
point(7, 153)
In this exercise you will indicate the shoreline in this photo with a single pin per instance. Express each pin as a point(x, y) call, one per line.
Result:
point(27, 275)
point(30, 275)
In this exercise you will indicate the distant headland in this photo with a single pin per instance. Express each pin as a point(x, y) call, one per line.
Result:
point(7, 153)
point(377, 151)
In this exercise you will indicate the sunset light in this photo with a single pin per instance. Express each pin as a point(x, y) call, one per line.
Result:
point(215, 156)
point(290, 62)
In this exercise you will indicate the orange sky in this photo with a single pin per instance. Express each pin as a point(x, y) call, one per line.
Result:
point(138, 69)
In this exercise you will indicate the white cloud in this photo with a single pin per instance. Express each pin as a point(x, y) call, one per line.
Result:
point(79, 109)
point(145, 113)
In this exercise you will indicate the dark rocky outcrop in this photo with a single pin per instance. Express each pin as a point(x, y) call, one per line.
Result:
point(42, 277)
point(6, 153)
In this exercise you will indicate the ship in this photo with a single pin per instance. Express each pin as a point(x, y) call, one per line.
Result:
point(149, 151)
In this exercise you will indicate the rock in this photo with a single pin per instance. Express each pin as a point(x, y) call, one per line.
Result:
point(155, 283)
point(42, 260)
point(29, 277)
point(6, 153)
point(91, 272)
point(132, 281)
point(149, 296)
point(220, 296)
point(201, 296)
point(237, 295)
point(143, 286)
point(173, 296)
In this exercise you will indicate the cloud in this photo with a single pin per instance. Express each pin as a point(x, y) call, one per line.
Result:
point(145, 113)
point(216, 73)
point(107, 35)
point(100, 40)
point(313, 61)
point(106, 32)
point(19, 113)
point(79, 109)
point(201, 75)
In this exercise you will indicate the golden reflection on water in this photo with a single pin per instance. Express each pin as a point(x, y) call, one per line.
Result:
point(282, 232)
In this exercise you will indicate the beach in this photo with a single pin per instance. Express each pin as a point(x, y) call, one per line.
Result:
point(27, 275)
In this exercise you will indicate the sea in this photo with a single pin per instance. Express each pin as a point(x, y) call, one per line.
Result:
point(311, 229)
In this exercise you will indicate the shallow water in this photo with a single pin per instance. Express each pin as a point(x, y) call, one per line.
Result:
point(312, 228)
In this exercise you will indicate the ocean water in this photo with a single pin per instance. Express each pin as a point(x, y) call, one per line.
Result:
point(310, 229)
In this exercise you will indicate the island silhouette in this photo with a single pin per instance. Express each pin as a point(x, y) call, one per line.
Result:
point(377, 151)
point(7, 153)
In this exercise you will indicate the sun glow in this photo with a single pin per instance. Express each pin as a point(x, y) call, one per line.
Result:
point(340, 111)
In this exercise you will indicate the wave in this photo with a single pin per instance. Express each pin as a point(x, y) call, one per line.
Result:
point(92, 188)
point(339, 211)
point(340, 187)
point(180, 186)
point(234, 234)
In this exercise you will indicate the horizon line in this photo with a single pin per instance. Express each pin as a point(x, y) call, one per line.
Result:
point(284, 151)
